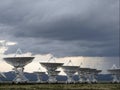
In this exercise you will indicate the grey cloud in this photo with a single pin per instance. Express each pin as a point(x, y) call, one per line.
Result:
point(63, 28)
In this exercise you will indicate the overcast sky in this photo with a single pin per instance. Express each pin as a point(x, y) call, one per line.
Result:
point(61, 27)
point(68, 29)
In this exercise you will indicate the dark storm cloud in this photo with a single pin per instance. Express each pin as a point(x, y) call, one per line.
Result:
point(63, 28)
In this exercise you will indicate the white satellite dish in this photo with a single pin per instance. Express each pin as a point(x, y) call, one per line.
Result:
point(115, 73)
point(70, 70)
point(51, 68)
point(19, 63)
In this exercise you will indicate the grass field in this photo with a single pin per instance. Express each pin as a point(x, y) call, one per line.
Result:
point(60, 87)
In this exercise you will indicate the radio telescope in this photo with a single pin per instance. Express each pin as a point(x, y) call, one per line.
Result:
point(51, 68)
point(70, 71)
point(115, 73)
point(19, 63)
point(83, 74)
point(39, 75)
point(93, 74)
point(54, 75)
point(87, 75)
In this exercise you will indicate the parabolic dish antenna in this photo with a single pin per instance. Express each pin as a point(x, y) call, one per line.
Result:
point(87, 75)
point(51, 65)
point(70, 71)
point(83, 74)
point(98, 71)
point(93, 74)
point(19, 63)
point(51, 69)
point(115, 73)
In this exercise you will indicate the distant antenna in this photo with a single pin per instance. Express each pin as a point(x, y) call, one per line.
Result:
point(52, 58)
point(40, 69)
point(114, 66)
point(18, 52)
point(70, 62)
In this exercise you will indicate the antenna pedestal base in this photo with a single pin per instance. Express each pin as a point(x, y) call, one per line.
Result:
point(70, 79)
point(81, 80)
point(115, 79)
point(39, 78)
point(88, 78)
point(52, 79)
point(20, 78)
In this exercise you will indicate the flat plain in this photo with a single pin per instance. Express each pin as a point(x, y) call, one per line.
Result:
point(60, 86)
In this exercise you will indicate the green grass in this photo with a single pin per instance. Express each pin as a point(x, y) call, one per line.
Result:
point(60, 87)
